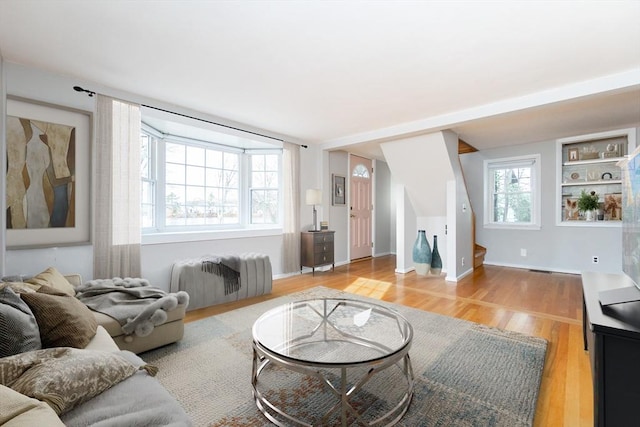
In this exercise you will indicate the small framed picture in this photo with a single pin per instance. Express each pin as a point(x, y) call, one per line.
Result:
point(572, 154)
point(613, 206)
point(339, 192)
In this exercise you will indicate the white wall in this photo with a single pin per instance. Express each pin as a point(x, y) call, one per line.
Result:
point(554, 248)
point(157, 259)
point(406, 230)
point(384, 215)
point(339, 214)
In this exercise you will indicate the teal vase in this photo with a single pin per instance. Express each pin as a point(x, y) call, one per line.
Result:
point(421, 254)
point(436, 261)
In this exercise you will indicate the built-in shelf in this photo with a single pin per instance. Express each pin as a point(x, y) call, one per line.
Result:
point(590, 163)
point(583, 183)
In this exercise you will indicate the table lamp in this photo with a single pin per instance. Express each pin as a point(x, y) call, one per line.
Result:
point(314, 197)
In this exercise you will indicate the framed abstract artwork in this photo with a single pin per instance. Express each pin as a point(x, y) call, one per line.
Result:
point(48, 176)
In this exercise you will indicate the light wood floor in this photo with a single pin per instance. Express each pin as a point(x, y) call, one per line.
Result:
point(547, 305)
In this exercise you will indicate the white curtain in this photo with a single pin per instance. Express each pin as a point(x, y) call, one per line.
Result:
point(291, 220)
point(116, 247)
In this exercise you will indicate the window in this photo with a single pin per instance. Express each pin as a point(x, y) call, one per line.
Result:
point(512, 194)
point(265, 181)
point(191, 185)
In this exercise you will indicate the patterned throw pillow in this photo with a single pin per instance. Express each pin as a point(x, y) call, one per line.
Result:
point(64, 377)
point(18, 327)
point(63, 320)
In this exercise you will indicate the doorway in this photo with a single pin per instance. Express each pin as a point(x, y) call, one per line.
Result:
point(360, 207)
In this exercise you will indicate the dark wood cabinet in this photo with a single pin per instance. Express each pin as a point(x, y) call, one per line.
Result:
point(612, 337)
point(316, 249)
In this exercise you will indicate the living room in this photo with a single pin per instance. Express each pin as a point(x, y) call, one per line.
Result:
point(507, 124)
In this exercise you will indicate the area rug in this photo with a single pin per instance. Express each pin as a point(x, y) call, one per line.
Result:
point(466, 374)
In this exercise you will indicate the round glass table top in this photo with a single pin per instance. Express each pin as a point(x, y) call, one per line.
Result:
point(332, 331)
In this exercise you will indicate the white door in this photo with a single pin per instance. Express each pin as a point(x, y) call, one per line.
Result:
point(361, 207)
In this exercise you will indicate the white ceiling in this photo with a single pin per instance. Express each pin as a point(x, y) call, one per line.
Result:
point(345, 73)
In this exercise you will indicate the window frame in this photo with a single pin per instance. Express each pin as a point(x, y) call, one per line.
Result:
point(160, 232)
point(534, 162)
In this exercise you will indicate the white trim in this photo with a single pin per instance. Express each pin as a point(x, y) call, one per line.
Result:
point(531, 267)
point(197, 236)
point(601, 85)
point(532, 160)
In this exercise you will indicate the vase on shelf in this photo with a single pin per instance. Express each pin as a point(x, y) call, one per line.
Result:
point(436, 261)
point(421, 254)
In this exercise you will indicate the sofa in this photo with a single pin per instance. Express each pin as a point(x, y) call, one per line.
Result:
point(170, 331)
point(58, 367)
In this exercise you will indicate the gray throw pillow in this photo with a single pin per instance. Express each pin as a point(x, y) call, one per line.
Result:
point(19, 330)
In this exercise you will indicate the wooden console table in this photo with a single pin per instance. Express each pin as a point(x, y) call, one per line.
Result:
point(612, 337)
point(316, 249)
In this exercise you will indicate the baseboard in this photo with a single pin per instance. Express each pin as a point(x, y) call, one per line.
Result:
point(531, 267)
point(459, 277)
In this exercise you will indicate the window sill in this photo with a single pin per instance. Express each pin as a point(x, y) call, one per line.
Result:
point(532, 227)
point(197, 236)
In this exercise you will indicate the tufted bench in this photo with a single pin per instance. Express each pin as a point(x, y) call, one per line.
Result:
point(206, 289)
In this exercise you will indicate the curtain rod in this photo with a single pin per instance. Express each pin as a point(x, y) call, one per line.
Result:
point(91, 93)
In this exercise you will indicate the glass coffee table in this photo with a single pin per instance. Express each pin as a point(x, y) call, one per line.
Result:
point(332, 362)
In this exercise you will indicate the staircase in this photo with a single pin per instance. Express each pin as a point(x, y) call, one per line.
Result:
point(479, 251)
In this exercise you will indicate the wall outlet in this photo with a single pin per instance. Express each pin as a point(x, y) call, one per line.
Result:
point(523, 252)
point(595, 259)
point(462, 261)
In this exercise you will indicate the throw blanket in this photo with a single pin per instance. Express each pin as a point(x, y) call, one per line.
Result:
point(228, 267)
point(137, 306)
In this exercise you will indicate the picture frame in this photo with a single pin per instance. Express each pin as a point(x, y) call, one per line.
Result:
point(570, 208)
point(52, 143)
point(573, 154)
point(339, 190)
point(612, 206)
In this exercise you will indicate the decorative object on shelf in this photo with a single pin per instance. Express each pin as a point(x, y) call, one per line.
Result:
point(606, 175)
point(611, 152)
point(613, 206)
point(313, 198)
point(436, 261)
point(339, 190)
point(324, 225)
point(571, 212)
point(421, 254)
point(572, 154)
point(587, 204)
point(589, 153)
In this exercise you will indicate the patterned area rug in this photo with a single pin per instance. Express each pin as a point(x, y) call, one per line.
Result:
point(466, 374)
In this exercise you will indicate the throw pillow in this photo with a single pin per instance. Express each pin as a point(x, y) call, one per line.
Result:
point(18, 327)
point(64, 377)
point(19, 410)
point(20, 287)
point(63, 320)
point(52, 277)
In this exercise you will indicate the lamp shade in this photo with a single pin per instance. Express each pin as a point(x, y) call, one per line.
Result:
point(314, 196)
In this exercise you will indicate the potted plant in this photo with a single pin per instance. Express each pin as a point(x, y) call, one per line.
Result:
point(588, 203)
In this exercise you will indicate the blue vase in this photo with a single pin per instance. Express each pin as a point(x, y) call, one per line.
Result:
point(436, 261)
point(421, 254)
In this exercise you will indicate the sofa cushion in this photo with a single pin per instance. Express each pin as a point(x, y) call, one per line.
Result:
point(63, 320)
point(64, 377)
point(52, 277)
point(19, 410)
point(18, 327)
